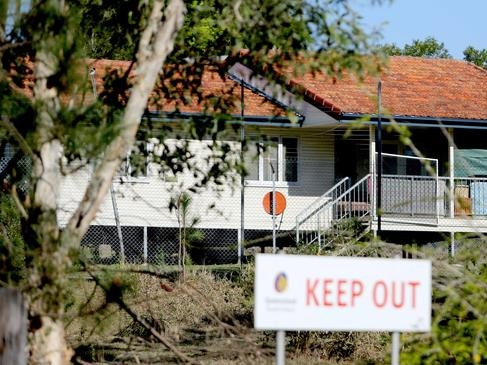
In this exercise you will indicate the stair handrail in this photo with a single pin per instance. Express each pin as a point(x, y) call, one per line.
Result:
point(353, 187)
point(350, 191)
point(319, 203)
point(330, 201)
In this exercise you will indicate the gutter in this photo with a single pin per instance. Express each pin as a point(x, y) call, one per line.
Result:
point(254, 120)
point(418, 122)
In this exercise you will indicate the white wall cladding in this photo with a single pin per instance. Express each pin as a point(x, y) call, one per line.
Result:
point(144, 201)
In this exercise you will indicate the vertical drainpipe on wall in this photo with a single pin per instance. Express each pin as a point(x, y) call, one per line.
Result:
point(242, 178)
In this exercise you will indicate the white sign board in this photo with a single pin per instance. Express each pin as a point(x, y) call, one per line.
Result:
point(296, 292)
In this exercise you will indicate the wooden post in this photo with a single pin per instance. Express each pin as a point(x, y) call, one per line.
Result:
point(13, 328)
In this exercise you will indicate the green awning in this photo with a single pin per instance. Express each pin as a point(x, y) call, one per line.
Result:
point(472, 162)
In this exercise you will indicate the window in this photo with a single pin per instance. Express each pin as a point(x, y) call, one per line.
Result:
point(144, 161)
point(134, 165)
point(278, 153)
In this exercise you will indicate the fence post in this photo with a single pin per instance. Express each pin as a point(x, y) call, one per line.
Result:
point(146, 250)
point(13, 328)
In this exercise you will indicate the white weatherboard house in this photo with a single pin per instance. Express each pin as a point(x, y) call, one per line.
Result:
point(326, 171)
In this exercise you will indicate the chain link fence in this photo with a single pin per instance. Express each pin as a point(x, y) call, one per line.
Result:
point(160, 245)
point(150, 232)
point(147, 231)
point(211, 228)
point(163, 245)
point(15, 168)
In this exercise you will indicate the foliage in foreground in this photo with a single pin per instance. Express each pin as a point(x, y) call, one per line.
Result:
point(211, 308)
point(52, 115)
point(208, 315)
point(459, 302)
point(459, 324)
point(12, 254)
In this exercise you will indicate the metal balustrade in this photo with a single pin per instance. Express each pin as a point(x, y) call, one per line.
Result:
point(430, 197)
point(312, 220)
point(322, 219)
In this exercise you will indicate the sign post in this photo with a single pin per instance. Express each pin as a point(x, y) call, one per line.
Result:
point(324, 293)
point(395, 348)
point(396, 339)
point(274, 249)
point(274, 204)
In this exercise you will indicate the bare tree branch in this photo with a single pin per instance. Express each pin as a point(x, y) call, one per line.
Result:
point(18, 203)
point(135, 317)
point(5, 121)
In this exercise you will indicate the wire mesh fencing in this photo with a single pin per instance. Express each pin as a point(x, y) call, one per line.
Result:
point(15, 168)
point(163, 245)
point(160, 245)
point(213, 227)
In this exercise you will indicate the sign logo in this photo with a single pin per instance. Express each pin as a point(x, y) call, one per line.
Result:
point(280, 284)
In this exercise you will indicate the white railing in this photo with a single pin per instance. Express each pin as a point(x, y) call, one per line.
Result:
point(468, 197)
point(430, 197)
point(423, 199)
point(309, 222)
point(355, 202)
point(320, 221)
point(413, 196)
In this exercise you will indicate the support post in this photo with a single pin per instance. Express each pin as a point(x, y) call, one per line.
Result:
point(117, 222)
point(280, 347)
point(280, 335)
point(451, 157)
point(379, 158)
point(396, 339)
point(395, 348)
point(145, 245)
point(241, 238)
point(273, 210)
point(372, 188)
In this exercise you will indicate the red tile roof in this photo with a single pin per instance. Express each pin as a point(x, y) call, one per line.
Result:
point(412, 87)
point(212, 85)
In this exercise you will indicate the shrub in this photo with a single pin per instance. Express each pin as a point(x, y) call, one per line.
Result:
point(459, 325)
point(12, 249)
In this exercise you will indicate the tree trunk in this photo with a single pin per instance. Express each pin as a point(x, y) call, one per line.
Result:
point(155, 45)
point(13, 328)
point(48, 345)
point(50, 257)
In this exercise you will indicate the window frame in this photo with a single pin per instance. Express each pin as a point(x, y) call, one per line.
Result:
point(151, 172)
point(280, 182)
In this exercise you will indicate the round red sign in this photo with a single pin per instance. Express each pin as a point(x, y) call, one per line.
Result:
point(280, 203)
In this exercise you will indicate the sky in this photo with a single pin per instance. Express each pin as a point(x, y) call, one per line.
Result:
point(456, 23)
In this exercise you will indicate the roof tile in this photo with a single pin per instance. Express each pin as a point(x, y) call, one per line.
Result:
point(212, 85)
point(411, 86)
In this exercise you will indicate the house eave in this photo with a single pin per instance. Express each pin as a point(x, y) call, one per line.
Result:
point(271, 98)
point(412, 121)
point(254, 120)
